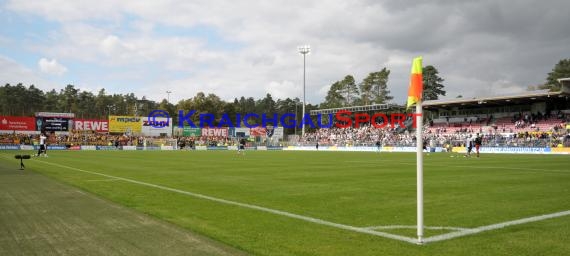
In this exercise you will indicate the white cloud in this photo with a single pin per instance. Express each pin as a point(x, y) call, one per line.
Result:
point(111, 45)
point(284, 89)
point(479, 47)
point(14, 73)
point(51, 67)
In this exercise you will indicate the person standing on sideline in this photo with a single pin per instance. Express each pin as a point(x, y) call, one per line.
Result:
point(478, 142)
point(468, 146)
point(241, 147)
point(43, 146)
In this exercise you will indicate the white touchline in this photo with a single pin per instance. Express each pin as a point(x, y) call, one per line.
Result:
point(102, 180)
point(505, 168)
point(250, 206)
point(494, 226)
point(463, 166)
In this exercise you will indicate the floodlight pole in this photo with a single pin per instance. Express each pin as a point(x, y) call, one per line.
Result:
point(305, 49)
point(168, 97)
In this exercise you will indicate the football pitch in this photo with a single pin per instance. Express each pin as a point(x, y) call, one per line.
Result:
point(332, 203)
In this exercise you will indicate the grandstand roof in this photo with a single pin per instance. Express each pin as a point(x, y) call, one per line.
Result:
point(364, 108)
point(520, 98)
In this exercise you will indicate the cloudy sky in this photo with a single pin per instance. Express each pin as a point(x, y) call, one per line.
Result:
point(249, 48)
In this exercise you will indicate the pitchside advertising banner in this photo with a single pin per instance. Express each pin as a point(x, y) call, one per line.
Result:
point(258, 132)
point(125, 124)
point(278, 133)
point(215, 132)
point(157, 126)
point(508, 150)
point(191, 132)
point(91, 125)
point(17, 123)
point(274, 132)
point(241, 132)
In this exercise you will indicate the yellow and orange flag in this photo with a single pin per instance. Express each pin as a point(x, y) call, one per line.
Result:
point(416, 83)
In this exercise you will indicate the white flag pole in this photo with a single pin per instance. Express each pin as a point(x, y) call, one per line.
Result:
point(420, 171)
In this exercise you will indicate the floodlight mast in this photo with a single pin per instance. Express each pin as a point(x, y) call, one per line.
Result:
point(305, 49)
point(168, 97)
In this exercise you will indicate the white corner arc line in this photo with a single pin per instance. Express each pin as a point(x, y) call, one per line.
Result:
point(494, 226)
point(413, 227)
point(250, 206)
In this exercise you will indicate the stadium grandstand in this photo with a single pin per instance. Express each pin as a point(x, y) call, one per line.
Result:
point(535, 118)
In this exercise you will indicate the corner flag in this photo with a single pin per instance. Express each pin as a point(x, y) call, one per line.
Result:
point(415, 97)
point(416, 84)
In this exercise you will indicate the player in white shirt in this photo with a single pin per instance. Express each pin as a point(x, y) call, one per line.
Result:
point(468, 146)
point(43, 146)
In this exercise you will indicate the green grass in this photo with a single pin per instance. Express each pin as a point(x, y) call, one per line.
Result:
point(351, 188)
point(40, 216)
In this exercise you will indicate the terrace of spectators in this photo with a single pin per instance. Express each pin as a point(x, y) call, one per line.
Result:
point(537, 118)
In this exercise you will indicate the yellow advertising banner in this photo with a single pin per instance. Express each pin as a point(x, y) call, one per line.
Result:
point(561, 150)
point(125, 124)
point(459, 150)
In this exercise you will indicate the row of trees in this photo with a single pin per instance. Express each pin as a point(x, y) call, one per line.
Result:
point(373, 89)
point(560, 70)
point(20, 100)
point(25, 101)
point(213, 104)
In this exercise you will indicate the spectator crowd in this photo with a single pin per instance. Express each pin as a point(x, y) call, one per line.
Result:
point(520, 130)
